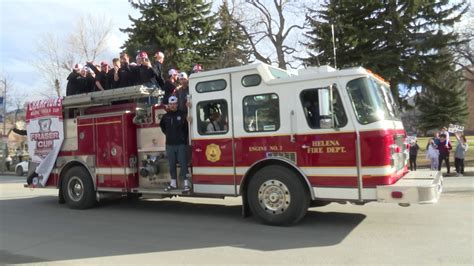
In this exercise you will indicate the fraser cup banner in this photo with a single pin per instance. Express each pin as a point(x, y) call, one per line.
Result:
point(45, 131)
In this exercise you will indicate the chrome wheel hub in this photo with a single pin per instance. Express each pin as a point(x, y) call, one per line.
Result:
point(75, 188)
point(274, 196)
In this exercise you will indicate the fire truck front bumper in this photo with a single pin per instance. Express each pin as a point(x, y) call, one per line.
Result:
point(419, 187)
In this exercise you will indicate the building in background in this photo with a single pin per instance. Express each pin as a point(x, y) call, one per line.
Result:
point(469, 127)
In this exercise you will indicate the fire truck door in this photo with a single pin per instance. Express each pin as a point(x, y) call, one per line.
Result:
point(212, 136)
point(110, 143)
point(325, 139)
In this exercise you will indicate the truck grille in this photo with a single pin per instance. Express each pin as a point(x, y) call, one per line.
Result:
point(285, 155)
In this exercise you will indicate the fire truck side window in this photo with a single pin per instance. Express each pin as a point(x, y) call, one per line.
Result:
point(261, 113)
point(310, 102)
point(212, 117)
point(251, 80)
point(211, 85)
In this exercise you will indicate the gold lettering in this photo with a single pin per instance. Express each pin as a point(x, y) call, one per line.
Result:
point(275, 148)
point(315, 150)
point(325, 143)
point(257, 148)
point(335, 149)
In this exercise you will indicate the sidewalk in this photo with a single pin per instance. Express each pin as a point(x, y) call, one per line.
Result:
point(468, 171)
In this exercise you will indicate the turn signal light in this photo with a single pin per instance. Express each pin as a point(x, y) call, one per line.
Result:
point(397, 194)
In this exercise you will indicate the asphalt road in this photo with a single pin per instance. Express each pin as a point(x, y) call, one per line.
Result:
point(35, 229)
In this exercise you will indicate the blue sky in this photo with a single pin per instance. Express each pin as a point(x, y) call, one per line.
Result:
point(22, 22)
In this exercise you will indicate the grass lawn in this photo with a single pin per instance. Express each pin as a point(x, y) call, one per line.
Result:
point(468, 161)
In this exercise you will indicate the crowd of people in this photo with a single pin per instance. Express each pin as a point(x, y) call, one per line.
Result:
point(123, 73)
point(438, 150)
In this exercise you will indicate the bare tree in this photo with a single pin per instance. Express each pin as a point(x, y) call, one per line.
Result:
point(464, 51)
point(89, 37)
point(52, 62)
point(269, 26)
point(86, 42)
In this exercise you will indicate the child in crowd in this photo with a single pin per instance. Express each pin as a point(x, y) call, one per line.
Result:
point(460, 154)
point(432, 152)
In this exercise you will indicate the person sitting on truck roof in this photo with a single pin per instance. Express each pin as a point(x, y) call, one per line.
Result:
point(175, 127)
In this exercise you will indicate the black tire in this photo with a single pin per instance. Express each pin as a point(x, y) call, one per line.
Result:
point(78, 189)
point(19, 171)
point(277, 196)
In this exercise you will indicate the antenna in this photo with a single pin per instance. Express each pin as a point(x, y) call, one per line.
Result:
point(333, 45)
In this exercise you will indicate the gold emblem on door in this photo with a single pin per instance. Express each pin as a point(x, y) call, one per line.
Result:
point(213, 153)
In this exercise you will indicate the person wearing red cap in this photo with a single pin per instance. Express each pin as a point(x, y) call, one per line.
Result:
point(197, 68)
point(146, 75)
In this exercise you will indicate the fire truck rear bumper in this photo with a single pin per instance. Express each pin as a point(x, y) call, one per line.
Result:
point(415, 187)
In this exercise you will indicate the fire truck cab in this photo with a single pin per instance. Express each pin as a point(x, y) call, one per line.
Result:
point(282, 142)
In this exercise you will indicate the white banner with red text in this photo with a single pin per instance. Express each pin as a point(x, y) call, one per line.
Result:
point(45, 131)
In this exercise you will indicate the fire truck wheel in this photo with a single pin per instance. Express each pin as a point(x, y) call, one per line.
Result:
point(78, 189)
point(277, 196)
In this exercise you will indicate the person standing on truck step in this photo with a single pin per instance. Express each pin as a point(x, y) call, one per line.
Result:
point(175, 127)
point(444, 147)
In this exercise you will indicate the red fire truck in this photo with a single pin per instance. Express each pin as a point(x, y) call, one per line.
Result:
point(282, 142)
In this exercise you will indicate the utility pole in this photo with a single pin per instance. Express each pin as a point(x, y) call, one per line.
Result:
point(4, 144)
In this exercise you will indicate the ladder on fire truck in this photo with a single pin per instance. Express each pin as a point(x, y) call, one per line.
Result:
point(106, 97)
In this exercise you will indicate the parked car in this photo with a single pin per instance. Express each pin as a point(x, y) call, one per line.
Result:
point(21, 168)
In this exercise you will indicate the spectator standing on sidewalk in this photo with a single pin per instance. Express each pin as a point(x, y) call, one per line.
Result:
point(413, 154)
point(444, 147)
point(460, 154)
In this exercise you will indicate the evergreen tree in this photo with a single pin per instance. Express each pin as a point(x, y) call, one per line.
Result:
point(443, 101)
point(398, 39)
point(230, 47)
point(181, 29)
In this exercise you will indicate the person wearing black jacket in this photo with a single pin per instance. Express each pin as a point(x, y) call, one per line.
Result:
point(169, 87)
point(146, 73)
point(101, 81)
point(175, 126)
point(126, 73)
point(32, 165)
point(113, 73)
point(74, 84)
point(158, 68)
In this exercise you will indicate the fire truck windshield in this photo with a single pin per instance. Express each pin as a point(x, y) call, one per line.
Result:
point(372, 100)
